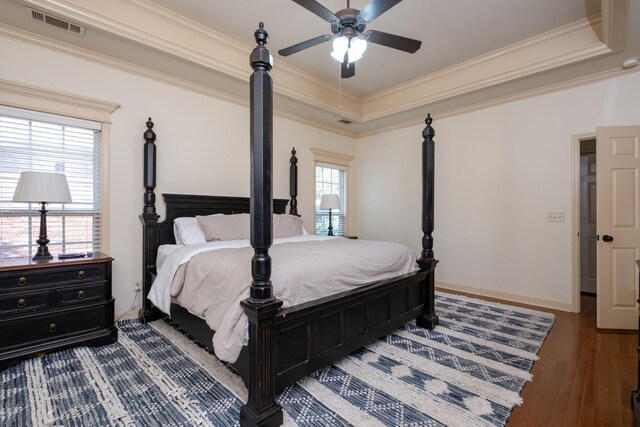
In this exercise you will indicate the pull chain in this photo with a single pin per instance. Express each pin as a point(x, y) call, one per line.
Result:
point(340, 87)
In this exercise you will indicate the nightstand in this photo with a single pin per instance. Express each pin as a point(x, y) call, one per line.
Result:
point(54, 304)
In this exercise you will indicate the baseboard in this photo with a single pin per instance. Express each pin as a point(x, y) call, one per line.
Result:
point(538, 302)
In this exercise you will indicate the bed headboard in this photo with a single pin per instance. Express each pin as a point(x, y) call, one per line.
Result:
point(157, 233)
point(181, 205)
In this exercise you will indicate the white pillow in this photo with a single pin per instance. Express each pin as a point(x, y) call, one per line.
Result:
point(286, 225)
point(224, 227)
point(187, 231)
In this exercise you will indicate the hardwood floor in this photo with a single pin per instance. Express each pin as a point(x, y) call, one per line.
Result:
point(584, 376)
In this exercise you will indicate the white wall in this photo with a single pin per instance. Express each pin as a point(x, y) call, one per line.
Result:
point(498, 171)
point(203, 144)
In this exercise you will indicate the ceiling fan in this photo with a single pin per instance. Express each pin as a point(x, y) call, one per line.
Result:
point(348, 31)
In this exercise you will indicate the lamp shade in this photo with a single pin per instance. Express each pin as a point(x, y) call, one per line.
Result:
point(330, 201)
point(340, 47)
point(357, 47)
point(41, 187)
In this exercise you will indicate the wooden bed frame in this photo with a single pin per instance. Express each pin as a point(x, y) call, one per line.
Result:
point(288, 344)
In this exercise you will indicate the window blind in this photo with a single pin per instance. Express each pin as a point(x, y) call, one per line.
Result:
point(45, 143)
point(331, 179)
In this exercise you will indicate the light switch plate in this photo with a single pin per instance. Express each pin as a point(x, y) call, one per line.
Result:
point(555, 216)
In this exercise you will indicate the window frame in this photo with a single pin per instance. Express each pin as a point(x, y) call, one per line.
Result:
point(341, 160)
point(343, 200)
point(41, 100)
point(39, 141)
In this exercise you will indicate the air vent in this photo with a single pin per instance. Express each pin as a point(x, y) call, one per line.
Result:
point(344, 121)
point(45, 18)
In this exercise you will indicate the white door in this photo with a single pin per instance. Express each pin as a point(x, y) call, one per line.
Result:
point(618, 195)
point(588, 231)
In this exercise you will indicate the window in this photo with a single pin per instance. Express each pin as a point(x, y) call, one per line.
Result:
point(330, 179)
point(47, 143)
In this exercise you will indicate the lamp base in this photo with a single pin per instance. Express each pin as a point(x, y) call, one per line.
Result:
point(42, 257)
point(43, 241)
point(330, 229)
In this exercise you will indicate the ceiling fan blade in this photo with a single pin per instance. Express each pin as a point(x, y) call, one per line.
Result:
point(304, 45)
point(318, 9)
point(391, 40)
point(347, 70)
point(377, 8)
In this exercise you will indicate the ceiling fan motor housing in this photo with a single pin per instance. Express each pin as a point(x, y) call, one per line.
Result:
point(349, 18)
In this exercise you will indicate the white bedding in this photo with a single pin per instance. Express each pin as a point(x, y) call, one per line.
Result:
point(216, 297)
point(171, 257)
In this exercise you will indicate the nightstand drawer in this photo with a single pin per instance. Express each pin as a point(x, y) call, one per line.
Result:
point(26, 279)
point(24, 303)
point(81, 294)
point(55, 304)
point(53, 326)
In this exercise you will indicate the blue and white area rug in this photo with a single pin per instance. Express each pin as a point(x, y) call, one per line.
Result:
point(469, 372)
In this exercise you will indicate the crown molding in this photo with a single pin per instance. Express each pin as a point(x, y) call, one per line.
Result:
point(35, 98)
point(146, 24)
point(331, 157)
point(153, 26)
point(78, 52)
point(67, 49)
point(542, 90)
point(571, 43)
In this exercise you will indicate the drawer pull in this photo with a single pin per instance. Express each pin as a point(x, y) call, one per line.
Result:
point(53, 328)
point(21, 303)
point(22, 281)
point(81, 274)
point(81, 294)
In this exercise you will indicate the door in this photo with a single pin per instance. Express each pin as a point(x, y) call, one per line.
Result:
point(588, 231)
point(618, 195)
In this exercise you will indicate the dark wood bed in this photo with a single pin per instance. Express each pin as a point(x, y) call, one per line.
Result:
point(287, 344)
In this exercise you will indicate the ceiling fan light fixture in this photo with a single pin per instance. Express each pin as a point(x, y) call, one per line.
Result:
point(356, 48)
point(348, 33)
point(340, 47)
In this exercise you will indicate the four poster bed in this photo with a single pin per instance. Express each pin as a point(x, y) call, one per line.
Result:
point(285, 344)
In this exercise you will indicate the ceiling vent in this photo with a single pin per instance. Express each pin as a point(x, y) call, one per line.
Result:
point(345, 121)
point(45, 18)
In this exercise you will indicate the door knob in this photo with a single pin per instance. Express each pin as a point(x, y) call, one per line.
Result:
point(607, 238)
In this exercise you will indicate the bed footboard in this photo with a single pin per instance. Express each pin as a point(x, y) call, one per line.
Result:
point(310, 336)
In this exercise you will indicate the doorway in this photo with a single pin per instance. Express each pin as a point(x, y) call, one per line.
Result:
point(617, 176)
point(588, 218)
point(583, 146)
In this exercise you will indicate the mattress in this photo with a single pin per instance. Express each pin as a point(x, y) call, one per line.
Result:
point(210, 280)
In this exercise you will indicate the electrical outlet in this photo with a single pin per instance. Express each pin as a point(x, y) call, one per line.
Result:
point(137, 288)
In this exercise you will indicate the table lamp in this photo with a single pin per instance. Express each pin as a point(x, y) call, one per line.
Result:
point(330, 201)
point(42, 187)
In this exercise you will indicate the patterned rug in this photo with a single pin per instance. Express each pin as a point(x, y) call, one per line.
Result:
point(469, 371)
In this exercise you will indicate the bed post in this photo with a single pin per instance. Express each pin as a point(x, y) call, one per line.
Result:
point(427, 262)
point(261, 307)
point(149, 219)
point(293, 183)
